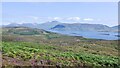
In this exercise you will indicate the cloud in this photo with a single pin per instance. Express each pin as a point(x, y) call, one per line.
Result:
point(88, 19)
point(74, 18)
point(4, 23)
point(22, 22)
point(57, 18)
point(61, 19)
point(34, 17)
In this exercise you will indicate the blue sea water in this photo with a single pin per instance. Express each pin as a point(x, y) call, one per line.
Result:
point(91, 34)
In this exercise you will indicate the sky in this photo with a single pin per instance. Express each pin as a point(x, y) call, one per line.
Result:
point(67, 12)
point(59, 0)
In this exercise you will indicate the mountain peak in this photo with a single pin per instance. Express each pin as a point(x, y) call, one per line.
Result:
point(55, 21)
point(58, 26)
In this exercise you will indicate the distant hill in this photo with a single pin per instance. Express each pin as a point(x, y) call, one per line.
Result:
point(116, 28)
point(58, 26)
point(48, 25)
point(23, 31)
point(11, 25)
point(30, 34)
point(32, 25)
point(81, 27)
point(55, 25)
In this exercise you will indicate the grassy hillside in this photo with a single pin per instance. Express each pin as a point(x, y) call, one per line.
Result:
point(23, 46)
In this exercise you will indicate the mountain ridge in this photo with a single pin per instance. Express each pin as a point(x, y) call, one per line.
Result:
point(53, 25)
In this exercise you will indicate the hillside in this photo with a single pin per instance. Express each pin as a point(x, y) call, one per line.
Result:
point(23, 31)
point(23, 46)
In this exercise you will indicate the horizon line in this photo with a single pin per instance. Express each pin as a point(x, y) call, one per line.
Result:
point(59, 22)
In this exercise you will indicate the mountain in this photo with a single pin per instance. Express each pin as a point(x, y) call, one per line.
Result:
point(48, 25)
point(58, 26)
point(11, 25)
point(32, 25)
point(116, 28)
point(81, 27)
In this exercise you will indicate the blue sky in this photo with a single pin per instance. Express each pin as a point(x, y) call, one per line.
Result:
point(59, 0)
point(68, 12)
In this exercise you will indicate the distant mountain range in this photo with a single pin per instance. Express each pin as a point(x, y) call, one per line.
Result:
point(85, 27)
point(46, 25)
point(58, 26)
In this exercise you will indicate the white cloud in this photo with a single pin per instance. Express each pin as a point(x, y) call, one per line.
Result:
point(4, 23)
point(74, 18)
point(57, 18)
point(34, 17)
point(22, 22)
point(88, 19)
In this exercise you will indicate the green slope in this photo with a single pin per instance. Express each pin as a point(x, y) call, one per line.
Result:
point(43, 48)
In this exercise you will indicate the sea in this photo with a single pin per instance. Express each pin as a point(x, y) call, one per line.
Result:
point(91, 34)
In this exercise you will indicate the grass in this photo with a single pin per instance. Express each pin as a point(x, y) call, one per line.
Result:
point(51, 55)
